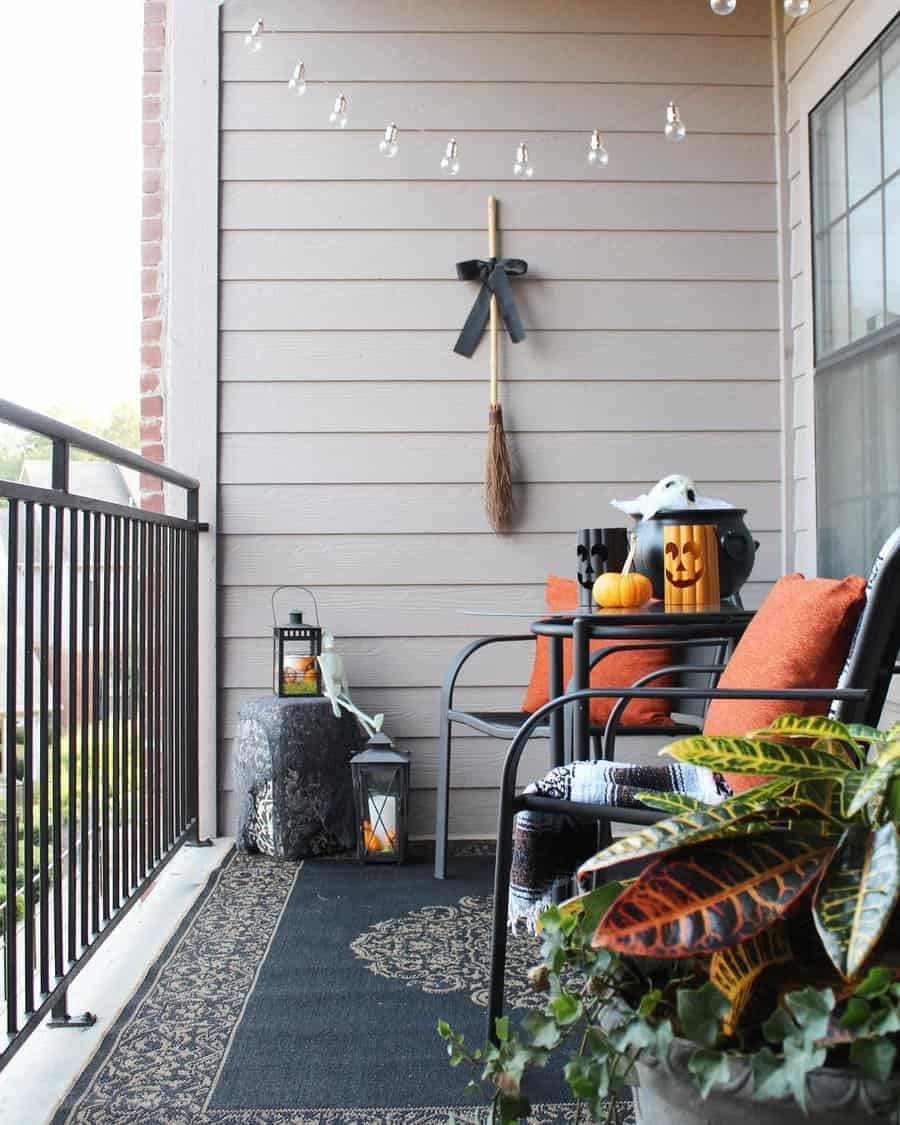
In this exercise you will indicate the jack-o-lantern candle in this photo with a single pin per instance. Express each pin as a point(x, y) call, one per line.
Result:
point(691, 561)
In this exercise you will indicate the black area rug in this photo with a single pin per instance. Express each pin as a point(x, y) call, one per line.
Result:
point(309, 995)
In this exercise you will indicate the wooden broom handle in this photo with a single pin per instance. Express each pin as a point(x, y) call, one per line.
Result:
point(495, 315)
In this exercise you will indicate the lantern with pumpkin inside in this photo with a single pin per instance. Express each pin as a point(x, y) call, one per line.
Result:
point(381, 797)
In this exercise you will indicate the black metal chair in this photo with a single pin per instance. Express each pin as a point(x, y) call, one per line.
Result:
point(506, 724)
point(858, 698)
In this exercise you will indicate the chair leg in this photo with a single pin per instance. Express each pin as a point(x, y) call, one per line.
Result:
point(502, 868)
point(441, 827)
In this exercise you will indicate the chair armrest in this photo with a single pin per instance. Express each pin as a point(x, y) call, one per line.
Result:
point(463, 655)
point(518, 744)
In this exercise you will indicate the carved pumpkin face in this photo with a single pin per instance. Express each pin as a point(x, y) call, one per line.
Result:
point(691, 561)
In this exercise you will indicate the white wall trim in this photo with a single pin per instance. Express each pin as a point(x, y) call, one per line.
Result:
point(192, 216)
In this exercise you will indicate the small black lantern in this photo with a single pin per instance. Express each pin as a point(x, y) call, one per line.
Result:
point(296, 648)
point(381, 793)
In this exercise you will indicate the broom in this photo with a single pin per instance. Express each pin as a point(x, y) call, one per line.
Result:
point(498, 497)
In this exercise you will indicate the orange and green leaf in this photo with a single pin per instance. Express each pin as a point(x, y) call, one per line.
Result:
point(857, 895)
point(712, 896)
point(735, 971)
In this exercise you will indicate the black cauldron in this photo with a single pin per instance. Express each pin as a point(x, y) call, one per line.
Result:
point(737, 547)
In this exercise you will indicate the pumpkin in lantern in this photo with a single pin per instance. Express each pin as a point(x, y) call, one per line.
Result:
point(627, 590)
point(691, 563)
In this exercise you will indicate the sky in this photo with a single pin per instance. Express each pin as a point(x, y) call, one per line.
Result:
point(70, 92)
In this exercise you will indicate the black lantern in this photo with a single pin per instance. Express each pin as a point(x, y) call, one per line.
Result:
point(296, 649)
point(381, 793)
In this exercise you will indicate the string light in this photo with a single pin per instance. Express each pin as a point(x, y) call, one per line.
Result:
point(450, 159)
point(254, 37)
point(598, 157)
point(723, 7)
point(675, 130)
point(388, 145)
point(297, 81)
point(523, 166)
point(338, 116)
point(796, 9)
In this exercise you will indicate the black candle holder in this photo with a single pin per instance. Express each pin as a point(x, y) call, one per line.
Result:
point(598, 550)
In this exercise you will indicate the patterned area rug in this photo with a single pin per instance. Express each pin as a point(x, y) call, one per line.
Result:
point(305, 995)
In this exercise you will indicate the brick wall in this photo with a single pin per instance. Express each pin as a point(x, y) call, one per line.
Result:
point(153, 287)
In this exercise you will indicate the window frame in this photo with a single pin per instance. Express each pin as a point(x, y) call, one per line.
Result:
point(887, 332)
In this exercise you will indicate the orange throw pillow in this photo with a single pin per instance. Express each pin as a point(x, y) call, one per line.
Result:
point(799, 638)
point(619, 670)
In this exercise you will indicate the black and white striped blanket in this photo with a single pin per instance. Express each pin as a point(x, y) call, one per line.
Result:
point(549, 847)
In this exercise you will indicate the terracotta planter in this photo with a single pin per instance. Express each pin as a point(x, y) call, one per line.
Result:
point(667, 1096)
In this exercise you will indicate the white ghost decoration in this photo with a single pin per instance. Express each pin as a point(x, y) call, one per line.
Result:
point(673, 493)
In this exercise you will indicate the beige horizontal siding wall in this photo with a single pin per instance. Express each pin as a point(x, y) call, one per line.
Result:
point(352, 438)
point(819, 50)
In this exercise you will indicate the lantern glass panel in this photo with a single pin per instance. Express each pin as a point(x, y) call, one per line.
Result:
point(296, 665)
point(381, 810)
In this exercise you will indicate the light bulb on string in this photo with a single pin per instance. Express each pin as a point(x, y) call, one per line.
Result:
point(523, 168)
point(338, 116)
point(254, 37)
point(675, 130)
point(388, 145)
point(598, 157)
point(297, 81)
point(450, 159)
point(723, 7)
point(796, 9)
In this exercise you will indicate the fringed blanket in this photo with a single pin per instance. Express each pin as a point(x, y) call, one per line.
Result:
point(549, 847)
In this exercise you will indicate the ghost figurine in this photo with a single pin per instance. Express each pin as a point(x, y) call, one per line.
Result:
point(674, 493)
point(336, 688)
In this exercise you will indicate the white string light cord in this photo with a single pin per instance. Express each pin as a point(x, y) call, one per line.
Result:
point(674, 128)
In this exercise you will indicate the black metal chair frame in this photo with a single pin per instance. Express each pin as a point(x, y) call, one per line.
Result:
point(506, 724)
point(872, 662)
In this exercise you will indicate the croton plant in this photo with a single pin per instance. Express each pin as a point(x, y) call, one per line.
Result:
point(763, 928)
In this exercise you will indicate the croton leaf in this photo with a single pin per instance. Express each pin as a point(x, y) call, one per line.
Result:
point(711, 896)
point(876, 778)
point(734, 971)
point(674, 832)
point(671, 802)
point(757, 756)
point(805, 726)
point(854, 901)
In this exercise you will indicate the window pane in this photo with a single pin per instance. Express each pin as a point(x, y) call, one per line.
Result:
point(828, 162)
point(832, 290)
point(863, 131)
point(890, 67)
point(857, 460)
point(866, 269)
point(892, 247)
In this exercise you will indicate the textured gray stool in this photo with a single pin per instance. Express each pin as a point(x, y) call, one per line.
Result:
point(292, 776)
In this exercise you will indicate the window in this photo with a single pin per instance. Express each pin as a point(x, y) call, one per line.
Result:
point(855, 175)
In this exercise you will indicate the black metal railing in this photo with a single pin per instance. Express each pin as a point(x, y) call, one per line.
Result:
point(99, 702)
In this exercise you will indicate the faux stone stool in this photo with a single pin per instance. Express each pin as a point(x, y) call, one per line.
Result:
point(292, 776)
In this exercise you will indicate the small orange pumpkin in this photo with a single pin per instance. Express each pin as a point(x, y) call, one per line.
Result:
point(626, 590)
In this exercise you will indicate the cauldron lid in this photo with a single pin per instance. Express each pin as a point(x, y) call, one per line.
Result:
point(701, 514)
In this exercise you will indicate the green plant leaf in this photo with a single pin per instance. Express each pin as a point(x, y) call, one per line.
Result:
point(501, 1025)
point(778, 1026)
point(542, 1029)
point(856, 1014)
point(671, 802)
point(860, 732)
point(712, 895)
point(769, 1074)
point(811, 1008)
point(874, 1057)
point(756, 756)
point(700, 1011)
point(444, 1029)
point(566, 1008)
point(876, 982)
point(708, 1068)
point(805, 726)
point(876, 778)
point(734, 971)
point(799, 1060)
point(856, 896)
point(674, 832)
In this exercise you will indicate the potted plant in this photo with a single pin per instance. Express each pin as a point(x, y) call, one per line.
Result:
point(752, 968)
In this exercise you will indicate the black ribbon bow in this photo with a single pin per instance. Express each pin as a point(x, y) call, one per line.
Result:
point(494, 275)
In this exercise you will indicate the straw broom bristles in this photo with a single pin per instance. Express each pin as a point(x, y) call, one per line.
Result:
point(498, 494)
